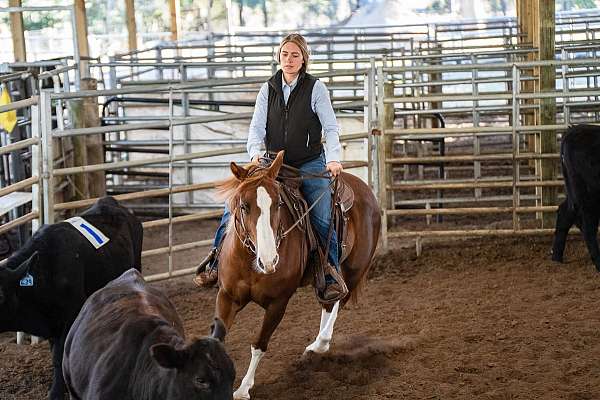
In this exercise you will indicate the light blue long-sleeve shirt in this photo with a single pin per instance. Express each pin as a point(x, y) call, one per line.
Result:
point(320, 104)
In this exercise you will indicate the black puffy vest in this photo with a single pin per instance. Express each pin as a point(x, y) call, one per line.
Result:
point(294, 128)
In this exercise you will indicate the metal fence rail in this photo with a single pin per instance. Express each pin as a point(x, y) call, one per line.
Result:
point(523, 164)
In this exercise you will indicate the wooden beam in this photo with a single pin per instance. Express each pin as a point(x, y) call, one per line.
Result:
point(131, 26)
point(173, 13)
point(82, 34)
point(18, 32)
point(545, 34)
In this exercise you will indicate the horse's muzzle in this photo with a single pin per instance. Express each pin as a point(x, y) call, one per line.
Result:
point(268, 268)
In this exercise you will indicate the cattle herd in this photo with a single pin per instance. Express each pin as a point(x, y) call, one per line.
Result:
point(78, 283)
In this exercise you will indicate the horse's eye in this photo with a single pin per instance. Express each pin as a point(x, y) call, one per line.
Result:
point(245, 207)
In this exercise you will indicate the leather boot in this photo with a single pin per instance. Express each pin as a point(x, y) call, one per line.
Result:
point(206, 271)
point(334, 291)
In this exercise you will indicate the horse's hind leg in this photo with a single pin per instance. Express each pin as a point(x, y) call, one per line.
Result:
point(273, 315)
point(321, 343)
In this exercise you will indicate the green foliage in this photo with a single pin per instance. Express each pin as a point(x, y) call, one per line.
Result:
point(438, 6)
point(320, 7)
point(41, 20)
point(567, 5)
point(105, 16)
point(498, 6)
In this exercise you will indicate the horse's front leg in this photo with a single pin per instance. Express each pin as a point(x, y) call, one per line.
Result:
point(227, 308)
point(273, 315)
point(321, 343)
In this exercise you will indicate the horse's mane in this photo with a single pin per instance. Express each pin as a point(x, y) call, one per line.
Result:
point(230, 188)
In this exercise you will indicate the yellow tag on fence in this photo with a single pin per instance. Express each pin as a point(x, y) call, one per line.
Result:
point(8, 119)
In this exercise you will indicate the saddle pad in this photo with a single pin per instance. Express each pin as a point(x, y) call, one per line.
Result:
point(89, 231)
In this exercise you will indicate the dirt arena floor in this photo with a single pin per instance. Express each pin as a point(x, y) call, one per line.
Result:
point(469, 319)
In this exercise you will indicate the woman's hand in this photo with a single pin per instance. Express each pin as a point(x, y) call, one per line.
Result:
point(334, 167)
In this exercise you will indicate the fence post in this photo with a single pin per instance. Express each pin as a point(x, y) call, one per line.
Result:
point(381, 155)
point(370, 125)
point(548, 142)
point(159, 68)
point(47, 157)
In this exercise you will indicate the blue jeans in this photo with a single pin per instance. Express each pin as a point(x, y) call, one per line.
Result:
point(320, 215)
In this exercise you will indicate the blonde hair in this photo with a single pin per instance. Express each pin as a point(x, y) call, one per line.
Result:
point(299, 41)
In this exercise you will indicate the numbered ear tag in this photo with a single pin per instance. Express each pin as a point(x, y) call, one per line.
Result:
point(26, 281)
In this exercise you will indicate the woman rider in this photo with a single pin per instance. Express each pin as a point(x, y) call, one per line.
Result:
point(292, 110)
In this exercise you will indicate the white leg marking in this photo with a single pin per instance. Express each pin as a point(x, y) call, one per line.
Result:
point(266, 249)
point(321, 343)
point(243, 392)
point(20, 337)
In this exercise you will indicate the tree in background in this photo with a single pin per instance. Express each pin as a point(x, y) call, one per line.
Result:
point(498, 6)
point(252, 5)
point(438, 7)
point(328, 8)
point(567, 5)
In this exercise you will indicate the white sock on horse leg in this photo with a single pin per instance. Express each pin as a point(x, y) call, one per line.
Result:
point(324, 317)
point(321, 343)
point(327, 331)
point(243, 391)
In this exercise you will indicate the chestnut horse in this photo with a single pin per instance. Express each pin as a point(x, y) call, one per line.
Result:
point(260, 264)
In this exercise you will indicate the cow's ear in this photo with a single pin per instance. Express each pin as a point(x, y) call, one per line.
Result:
point(276, 165)
point(167, 356)
point(217, 329)
point(239, 172)
point(26, 266)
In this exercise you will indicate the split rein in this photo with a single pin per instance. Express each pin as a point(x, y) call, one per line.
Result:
point(247, 241)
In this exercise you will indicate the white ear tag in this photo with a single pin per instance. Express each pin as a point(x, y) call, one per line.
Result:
point(26, 281)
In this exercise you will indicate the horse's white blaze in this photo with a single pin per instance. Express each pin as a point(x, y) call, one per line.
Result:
point(321, 343)
point(266, 249)
point(243, 391)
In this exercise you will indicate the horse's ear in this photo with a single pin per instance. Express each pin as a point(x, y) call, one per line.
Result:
point(276, 165)
point(239, 172)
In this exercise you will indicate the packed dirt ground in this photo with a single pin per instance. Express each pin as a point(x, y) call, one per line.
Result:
point(468, 319)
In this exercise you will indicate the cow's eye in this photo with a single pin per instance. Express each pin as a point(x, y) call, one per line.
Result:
point(201, 383)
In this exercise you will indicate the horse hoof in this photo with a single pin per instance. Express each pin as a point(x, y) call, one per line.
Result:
point(237, 395)
point(317, 348)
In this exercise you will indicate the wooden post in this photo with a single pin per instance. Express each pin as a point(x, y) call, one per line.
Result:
point(388, 140)
point(173, 13)
point(547, 79)
point(536, 21)
point(88, 150)
point(82, 34)
point(131, 26)
point(80, 181)
point(18, 32)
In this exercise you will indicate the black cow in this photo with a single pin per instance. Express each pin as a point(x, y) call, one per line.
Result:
point(128, 343)
point(580, 160)
point(44, 285)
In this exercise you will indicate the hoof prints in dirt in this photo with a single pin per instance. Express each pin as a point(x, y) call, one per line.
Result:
point(357, 360)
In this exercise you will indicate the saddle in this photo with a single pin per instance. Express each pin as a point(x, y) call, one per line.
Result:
point(296, 204)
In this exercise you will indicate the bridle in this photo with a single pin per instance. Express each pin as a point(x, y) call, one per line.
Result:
point(242, 232)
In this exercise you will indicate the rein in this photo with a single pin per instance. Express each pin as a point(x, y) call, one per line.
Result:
point(334, 180)
point(247, 241)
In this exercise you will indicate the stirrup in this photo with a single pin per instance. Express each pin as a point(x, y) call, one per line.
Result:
point(334, 291)
point(207, 260)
